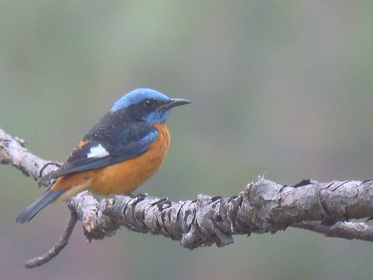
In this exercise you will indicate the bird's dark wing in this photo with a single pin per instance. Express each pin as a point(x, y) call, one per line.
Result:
point(104, 148)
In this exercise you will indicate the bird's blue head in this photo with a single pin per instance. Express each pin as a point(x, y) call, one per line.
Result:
point(145, 104)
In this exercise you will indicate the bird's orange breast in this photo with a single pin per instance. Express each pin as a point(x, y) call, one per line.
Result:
point(125, 177)
point(121, 178)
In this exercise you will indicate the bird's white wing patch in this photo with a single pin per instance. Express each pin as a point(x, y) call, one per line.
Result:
point(97, 152)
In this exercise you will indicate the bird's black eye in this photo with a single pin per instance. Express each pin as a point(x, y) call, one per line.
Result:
point(148, 103)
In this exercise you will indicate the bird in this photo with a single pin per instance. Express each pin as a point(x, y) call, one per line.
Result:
point(117, 155)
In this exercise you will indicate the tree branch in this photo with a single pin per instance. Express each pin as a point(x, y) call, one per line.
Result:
point(347, 230)
point(263, 206)
point(58, 247)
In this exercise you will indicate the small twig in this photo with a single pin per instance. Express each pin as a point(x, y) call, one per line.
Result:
point(64, 240)
point(347, 230)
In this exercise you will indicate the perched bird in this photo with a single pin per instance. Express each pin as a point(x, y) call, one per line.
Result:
point(124, 149)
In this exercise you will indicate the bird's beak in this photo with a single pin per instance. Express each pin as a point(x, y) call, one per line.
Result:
point(174, 103)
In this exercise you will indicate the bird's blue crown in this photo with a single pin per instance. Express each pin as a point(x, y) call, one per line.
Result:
point(137, 96)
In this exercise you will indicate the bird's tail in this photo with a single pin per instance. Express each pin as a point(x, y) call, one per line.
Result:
point(47, 197)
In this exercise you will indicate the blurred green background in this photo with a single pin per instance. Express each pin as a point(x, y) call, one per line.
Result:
point(281, 88)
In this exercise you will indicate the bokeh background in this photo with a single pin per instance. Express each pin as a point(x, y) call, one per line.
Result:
point(281, 88)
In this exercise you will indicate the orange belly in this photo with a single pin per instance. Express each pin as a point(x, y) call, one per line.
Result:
point(121, 178)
